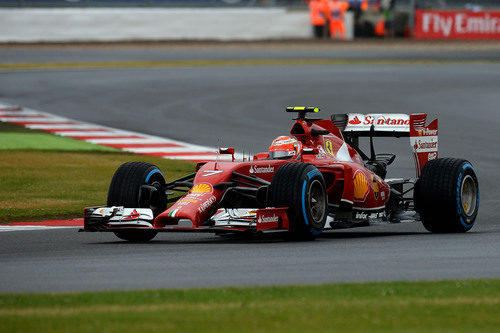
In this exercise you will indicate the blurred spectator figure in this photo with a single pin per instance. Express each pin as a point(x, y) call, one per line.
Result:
point(363, 5)
point(337, 13)
point(318, 11)
point(387, 7)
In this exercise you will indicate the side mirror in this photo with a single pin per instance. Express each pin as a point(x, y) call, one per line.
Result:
point(229, 151)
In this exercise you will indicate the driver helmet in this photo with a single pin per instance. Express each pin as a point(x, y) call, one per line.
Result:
point(284, 147)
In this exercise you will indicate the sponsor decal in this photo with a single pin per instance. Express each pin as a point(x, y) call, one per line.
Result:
point(386, 121)
point(457, 24)
point(382, 194)
point(199, 191)
point(132, 215)
point(256, 169)
point(376, 191)
point(355, 121)
point(360, 185)
point(173, 212)
point(381, 120)
point(427, 132)
point(424, 144)
point(367, 215)
point(361, 215)
point(207, 204)
point(268, 219)
point(207, 173)
point(186, 201)
point(329, 147)
point(432, 156)
point(201, 188)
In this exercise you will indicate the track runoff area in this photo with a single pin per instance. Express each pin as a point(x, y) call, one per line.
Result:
point(134, 142)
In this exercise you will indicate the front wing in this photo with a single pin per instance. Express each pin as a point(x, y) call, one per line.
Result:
point(253, 220)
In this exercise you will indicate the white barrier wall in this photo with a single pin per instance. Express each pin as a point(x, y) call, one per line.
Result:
point(126, 24)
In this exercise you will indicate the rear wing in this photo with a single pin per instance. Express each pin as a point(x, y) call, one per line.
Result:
point(423, 139)
point(373, 125)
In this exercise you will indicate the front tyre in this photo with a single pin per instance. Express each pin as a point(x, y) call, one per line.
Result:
point(124, 191)
point(301, 188)
point(447, 195)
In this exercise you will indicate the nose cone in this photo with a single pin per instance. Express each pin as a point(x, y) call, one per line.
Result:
point(195, 206)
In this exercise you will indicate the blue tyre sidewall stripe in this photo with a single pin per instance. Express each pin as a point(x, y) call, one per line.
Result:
point(465, 167)
point(311, 174)
point(151, 173)
point(304, 187)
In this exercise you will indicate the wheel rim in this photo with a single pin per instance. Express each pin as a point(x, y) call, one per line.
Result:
point(317, 202)
point(468, 195)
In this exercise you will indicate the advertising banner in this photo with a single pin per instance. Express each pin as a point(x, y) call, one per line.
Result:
point(457, 24)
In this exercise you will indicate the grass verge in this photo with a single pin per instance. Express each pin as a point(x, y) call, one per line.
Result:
point(37, 185)
point(442, 306)
point(13, 137)
point(236, 62)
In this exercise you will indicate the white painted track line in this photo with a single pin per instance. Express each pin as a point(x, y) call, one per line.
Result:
point(128, 141)
point(5, 228)
point(56, 126)
point(167, 150)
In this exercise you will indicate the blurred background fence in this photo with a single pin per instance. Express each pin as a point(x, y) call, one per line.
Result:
point(153, 3)
point(103, 20)
point(403, 4)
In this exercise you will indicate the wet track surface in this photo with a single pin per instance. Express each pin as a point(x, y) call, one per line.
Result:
point(242, 106)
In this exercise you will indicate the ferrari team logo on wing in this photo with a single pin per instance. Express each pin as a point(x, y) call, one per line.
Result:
point(329, 147)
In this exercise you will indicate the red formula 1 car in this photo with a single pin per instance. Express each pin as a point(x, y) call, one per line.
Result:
point(316, 179)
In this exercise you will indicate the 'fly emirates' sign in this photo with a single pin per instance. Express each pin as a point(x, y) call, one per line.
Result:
point(441, 24)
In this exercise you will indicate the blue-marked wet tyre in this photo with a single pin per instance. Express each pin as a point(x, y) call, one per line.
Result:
point(301, 187)
point(447, 195)
point(125, 188)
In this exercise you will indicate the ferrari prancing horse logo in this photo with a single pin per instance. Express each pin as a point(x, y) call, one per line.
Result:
point(376, 190)
point(329, 147)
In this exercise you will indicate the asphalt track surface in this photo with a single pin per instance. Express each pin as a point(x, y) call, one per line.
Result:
point(242, 106)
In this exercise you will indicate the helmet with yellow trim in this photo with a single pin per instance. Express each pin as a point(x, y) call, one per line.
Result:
point(284, 147)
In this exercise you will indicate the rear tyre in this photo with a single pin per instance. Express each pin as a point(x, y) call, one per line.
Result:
point(124, 191)
point(301, 187)
point(447, 195)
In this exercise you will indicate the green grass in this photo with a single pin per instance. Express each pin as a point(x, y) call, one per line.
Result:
point(233, 62)
point(13, 137)
point(443, 306)
point(44, 176)
point(36, 185)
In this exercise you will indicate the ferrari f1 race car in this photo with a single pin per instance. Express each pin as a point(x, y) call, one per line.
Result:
point(314, 180)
